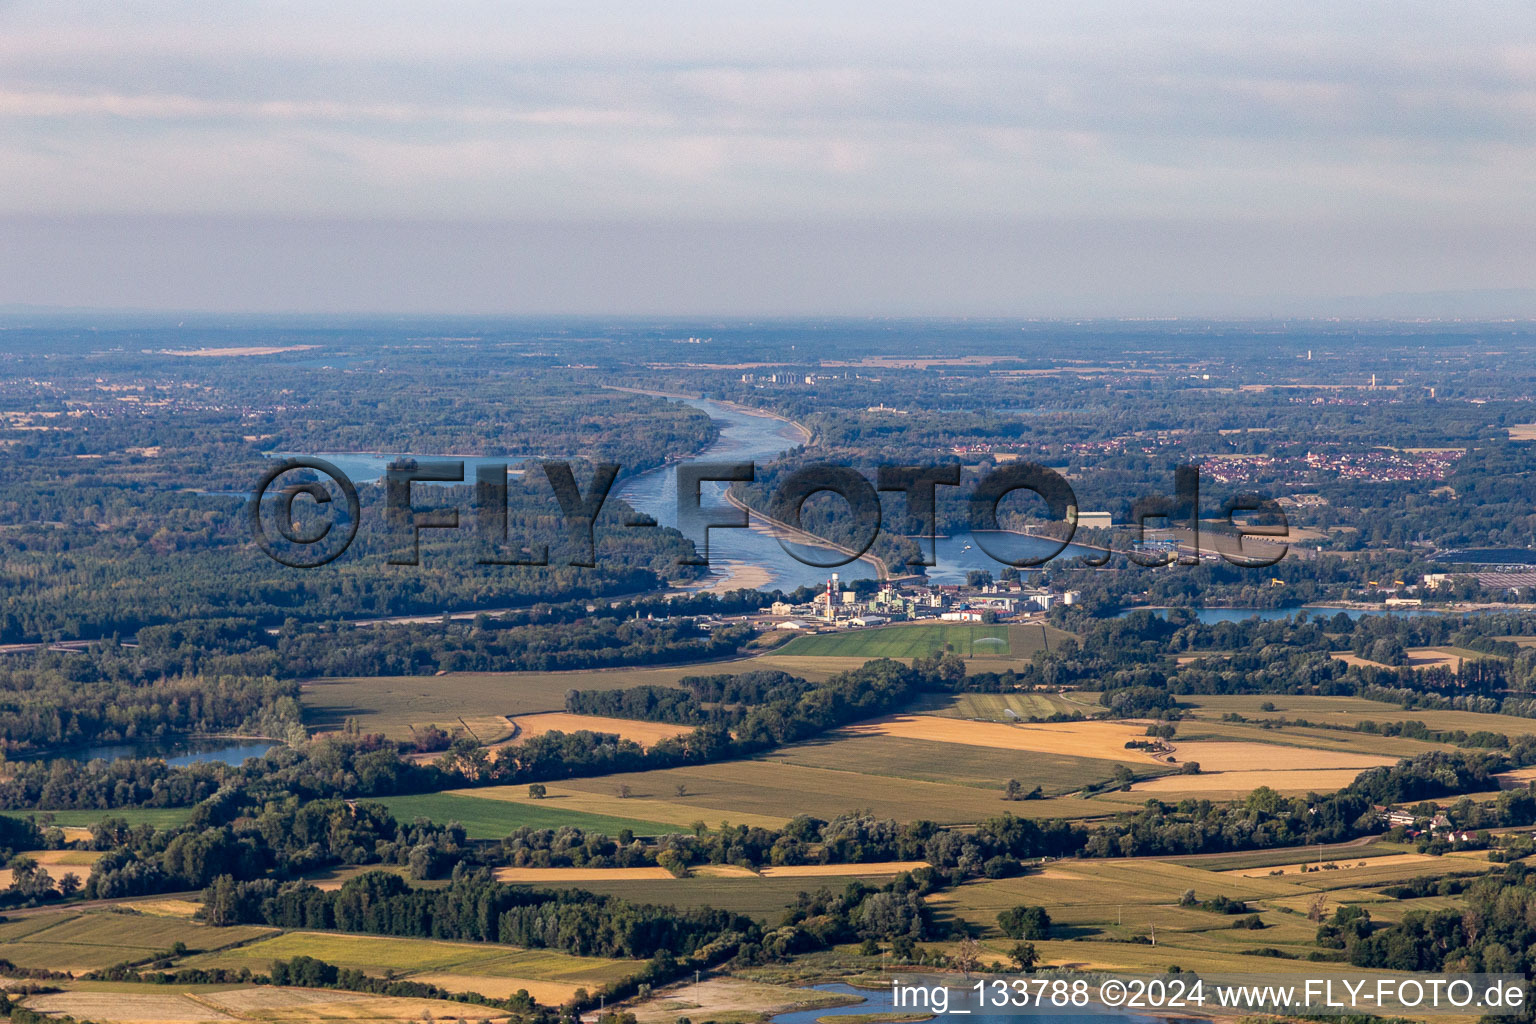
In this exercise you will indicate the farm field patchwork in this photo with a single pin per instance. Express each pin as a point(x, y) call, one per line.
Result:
point(1202, 730)
point(1342, 852)
point(1233, 785)
point(769, 790)
point(1105, 740)
point(85, 940)
point(392, 704)
point(1350, 711)
point(556, 975)
point(1421, 658)
point(1117, 904)
point(952, 763)
point(1338, 863)
point(1227, 756)
point(214, 1004)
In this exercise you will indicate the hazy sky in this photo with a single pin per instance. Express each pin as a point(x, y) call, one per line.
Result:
point(1033, 158)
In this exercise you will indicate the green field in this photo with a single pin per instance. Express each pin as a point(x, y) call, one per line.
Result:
point(494, 819)
point(376, 954)
point(85, 941)
point(160, 817)
point(990, 707)
point(392, 704)
point(913, 641)
point(1351, 711)
point(921, 639)
point(952, 763)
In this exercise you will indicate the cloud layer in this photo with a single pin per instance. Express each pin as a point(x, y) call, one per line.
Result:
point(1399, 120)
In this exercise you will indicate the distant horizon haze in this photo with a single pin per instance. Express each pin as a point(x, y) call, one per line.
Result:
point(1179, 157)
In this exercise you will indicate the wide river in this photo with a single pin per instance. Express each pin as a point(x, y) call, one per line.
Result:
point(754, 437)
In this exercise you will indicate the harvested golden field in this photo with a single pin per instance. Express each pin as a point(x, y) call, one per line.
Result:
point(643, 733)
point(1522, 432)
point(1517, 779)
point(1219, 756)
point(1340, 863)
point(1418, 657)
point(535, 876)
point(1231, 768)
point(731, 999)
point(184, 909)
point(1081, 739)
point(488, 728)
point(304, 1006)
point(550, 993)
point(58, 863)
point(722, 871)
point(896, 757)
point(1235, 784)
point(137, 1007)
point(887, 867)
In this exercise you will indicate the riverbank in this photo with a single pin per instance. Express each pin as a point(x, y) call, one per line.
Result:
point(808, 435)
point(794, 536)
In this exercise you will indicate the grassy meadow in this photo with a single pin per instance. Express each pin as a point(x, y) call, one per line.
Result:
point(484, 818)
point(905, 641)
point(86, 940)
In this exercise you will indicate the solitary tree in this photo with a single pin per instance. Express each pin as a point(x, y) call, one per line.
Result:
point(1025, 922)
point(1024, 956)
point(967, 955)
